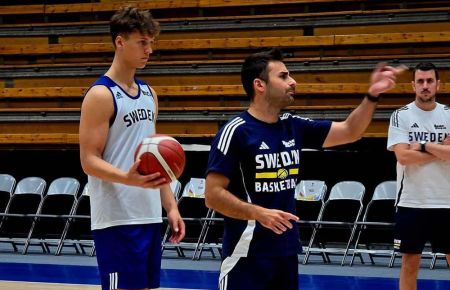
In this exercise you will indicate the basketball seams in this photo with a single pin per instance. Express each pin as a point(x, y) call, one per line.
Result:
point(155, 145)
point(171, 149)
point(152, 148)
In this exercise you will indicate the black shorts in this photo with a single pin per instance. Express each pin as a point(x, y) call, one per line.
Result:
point(259, 273)
point(416, 226)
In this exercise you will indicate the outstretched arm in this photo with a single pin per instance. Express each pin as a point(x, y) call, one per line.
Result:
point(382, 80)
point(220, 199)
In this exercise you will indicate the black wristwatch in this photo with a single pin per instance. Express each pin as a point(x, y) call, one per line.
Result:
point(422, 146)
point(373, 99)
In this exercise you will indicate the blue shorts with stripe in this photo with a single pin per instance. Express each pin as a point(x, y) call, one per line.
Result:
point(259, 273)
point(129, 256)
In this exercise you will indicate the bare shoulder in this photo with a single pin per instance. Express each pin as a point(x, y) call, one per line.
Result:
point(98, 93)
point(98, 98)
point(153, 93)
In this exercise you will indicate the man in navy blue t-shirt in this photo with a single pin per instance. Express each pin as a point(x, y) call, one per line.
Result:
point(253, 169)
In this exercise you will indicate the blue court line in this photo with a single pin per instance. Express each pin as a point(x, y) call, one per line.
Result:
point(171, 278)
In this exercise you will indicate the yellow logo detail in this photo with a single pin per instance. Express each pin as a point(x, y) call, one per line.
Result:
point(282, 173)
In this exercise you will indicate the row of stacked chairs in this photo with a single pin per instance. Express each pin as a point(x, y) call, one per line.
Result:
point(332, 223)
point(338, 222)
point(32, 214)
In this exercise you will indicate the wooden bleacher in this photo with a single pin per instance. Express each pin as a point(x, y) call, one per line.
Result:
point(49, 61)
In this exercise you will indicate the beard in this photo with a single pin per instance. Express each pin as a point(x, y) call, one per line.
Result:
point(426, 98)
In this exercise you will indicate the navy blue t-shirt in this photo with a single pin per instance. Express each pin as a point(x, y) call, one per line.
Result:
point(262, 162)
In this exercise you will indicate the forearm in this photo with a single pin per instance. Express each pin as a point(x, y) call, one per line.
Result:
point(96, 166)
point(414, 157)
point(439, 150)
point(358, 120)
point(226, 203)
point(353, 127)
point(167, 199)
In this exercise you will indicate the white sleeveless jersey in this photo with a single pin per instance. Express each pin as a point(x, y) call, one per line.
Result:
point(425, 185)
point(115, 204)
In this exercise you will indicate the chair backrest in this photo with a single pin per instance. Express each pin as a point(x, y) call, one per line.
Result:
point(309, 204)
point(381, 208)
point(85, 190)
point(64, 185)
point(347, 190)
point(176, 188)
point(61, 196)
point(7, 183)
point(195, 188)
point(310, 190)
point(83, 205)
point(344, 205)
point(33, 185)
point(385, 190)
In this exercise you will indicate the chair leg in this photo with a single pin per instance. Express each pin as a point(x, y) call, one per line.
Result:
point(201, 240)
point(308, 251)
point(355, 249)
point(45, 247)
point(392, 260)
point(203, 233)
point(433, 261)
point(25, 247)
point(164, 239)
point(349, 243)
point(60, 246)
point(372, 261)
point(92, 253)
point(63, 237)
point(353, 258)
point(15, 249)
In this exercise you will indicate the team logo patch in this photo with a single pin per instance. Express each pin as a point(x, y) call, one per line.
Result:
point(282, 173)
point(263, 146)
point(289, 143)
point(440, 127)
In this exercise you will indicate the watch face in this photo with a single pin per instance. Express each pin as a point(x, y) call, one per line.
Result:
point(422, 146)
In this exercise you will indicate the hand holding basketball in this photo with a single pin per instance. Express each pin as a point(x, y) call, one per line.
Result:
point(163, 154)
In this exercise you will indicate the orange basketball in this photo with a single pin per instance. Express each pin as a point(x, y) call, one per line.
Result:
point(163, 154)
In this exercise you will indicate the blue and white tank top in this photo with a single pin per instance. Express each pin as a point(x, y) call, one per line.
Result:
point(115, 204)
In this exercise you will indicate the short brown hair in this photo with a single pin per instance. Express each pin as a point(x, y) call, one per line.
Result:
point(425, 66)
point(131, 19)
point(256, 66)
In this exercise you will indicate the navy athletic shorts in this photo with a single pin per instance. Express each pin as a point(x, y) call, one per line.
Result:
point(259, 273)
point(416, 226)
point(129, 256)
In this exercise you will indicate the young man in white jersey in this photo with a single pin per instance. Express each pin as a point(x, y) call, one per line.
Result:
point(117, 113)
point(419, 135)
point(254, 165)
